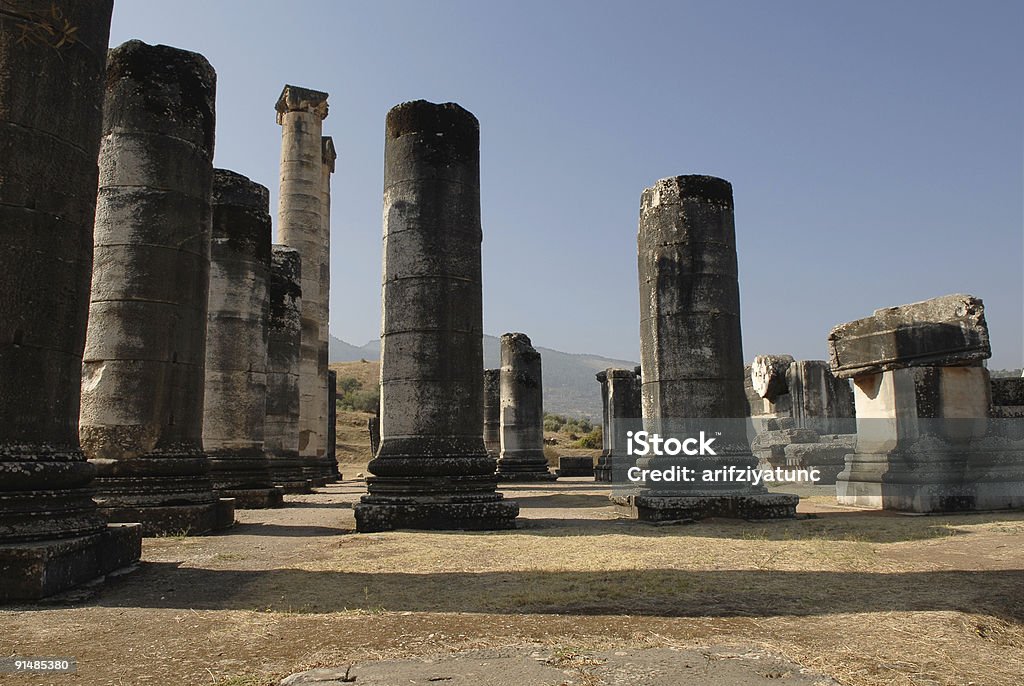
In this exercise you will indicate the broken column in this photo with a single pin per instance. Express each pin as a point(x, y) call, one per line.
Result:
point(329, 464)
point(624, 415)
point(925, 440)
point(145, 352)
point(332, 420)
point(805, 416)
point(300, 225)
point(603, 468)
point(235, 404)
point(284, 340)
point(692, 353)
point(432, 470)
point(52, 536)
point(522, 412)
point(492, 412)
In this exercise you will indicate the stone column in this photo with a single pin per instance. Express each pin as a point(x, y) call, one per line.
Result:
point(522, 412)
point(332, 420)
point(820, 401)
point(603, 468)
point(691, 351)
point(300, 225)
point(235, 405)
point(52, 536)
point(284, 340)
point(431, 470)
point(492, 412)
point(329, 465)
point(624, 415)
point(145, 352)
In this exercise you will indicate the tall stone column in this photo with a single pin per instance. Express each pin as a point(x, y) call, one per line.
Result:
point(431, 470)
point(603, 468)
point(332, 421)
point(52, 536)
point(300, 225)
point(145, 353)
point(492, 412)
point(624, 415)
point(691, 352)
point(284, 341)
point(329, 465)
point(235, 406)
point(522, 412)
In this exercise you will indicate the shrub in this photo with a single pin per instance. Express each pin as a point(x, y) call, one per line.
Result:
point(593, 440)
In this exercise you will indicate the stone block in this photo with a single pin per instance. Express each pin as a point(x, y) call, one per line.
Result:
point(950, 330)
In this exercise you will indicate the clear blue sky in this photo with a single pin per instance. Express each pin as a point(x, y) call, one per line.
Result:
point(875, 148)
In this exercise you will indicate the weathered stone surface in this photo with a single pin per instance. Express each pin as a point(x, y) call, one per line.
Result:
point(301, 225)
point(52, 536)
point(575, 465)
point(1008, 391)
point(603, 468)
point(691, 349)
point(284, 340)
point(235, 400)
point(329, 463)
point(768, 375)
point(432, 470)
point(143, 367)
point(925, 444)
point(828, 457)
point(624, 416)
point(492, 412)
point(332, 421)
point(373, 426)
point(949, 330)
point(522, 412)
point(820, 401)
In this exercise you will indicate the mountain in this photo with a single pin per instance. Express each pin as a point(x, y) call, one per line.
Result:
point(569, 384)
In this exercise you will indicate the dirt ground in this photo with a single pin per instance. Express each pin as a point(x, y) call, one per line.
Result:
point(863, 598)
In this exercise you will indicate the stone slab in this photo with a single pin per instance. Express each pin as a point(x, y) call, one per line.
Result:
point(648, 508)
point(34, 570)
point(575, 465)
point(945, 331)
point(731, 665)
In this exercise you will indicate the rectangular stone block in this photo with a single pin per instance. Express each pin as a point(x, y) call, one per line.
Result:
point(946, 331)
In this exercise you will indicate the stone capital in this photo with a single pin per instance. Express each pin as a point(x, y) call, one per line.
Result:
point(297, 99)
point(328, 151)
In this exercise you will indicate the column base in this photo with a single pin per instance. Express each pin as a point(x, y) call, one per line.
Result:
point(254, 498)
point(657, 508)
point(175, 520)
point(377, 514)
point(38, 569)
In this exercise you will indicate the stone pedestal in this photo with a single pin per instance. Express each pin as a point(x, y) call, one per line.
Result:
point(143, 368)
point(235, 404)
point(52, 536)
point(300, 225)
point(924, 444)
point(492, 412)
point(926, 440)
point(284, 339)
point(522, 412)
point(432, 470)
point(691, 352)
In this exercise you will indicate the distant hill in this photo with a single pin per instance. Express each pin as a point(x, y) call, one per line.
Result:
point(569, 384)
